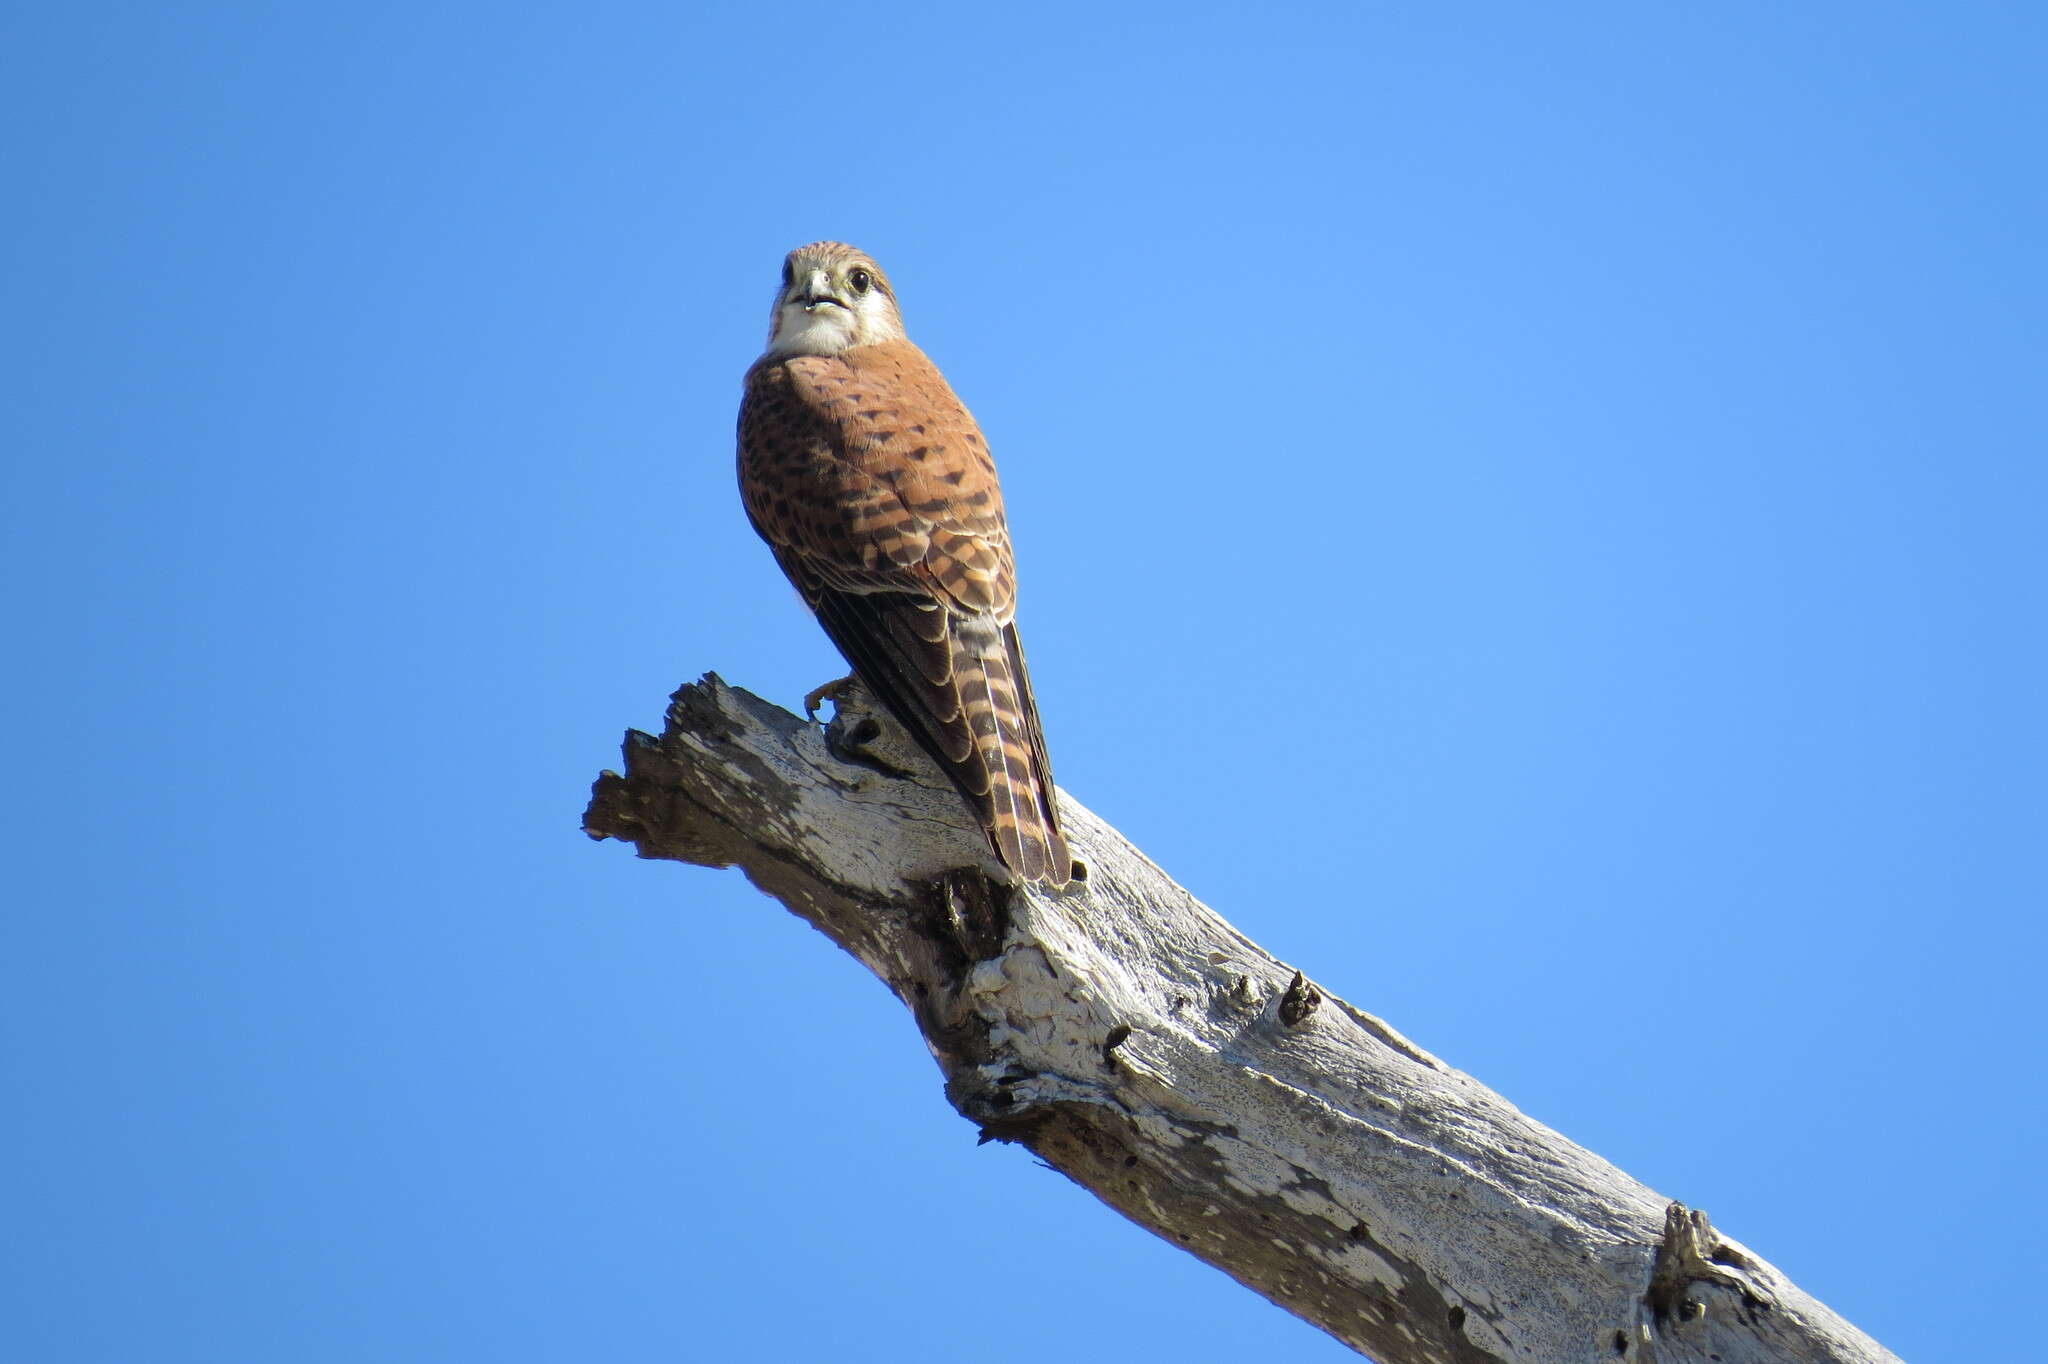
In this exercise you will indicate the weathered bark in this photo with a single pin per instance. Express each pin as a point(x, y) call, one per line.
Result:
point(1136, 1042)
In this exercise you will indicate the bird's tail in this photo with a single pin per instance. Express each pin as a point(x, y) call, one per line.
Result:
point(1017, 803)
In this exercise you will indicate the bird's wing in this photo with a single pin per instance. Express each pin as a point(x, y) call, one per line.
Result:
point(875, 489)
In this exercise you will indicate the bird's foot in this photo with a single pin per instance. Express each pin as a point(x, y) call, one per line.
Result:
point(833, 691)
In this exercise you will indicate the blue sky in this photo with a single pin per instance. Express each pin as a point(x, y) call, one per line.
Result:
point(1535, 514)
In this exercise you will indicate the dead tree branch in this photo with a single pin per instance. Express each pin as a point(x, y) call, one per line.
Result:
point(1136, 1042)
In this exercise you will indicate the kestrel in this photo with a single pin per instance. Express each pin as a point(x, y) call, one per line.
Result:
point(872, 484)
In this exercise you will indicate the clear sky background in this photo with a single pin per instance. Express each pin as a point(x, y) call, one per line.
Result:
point(1534, 512)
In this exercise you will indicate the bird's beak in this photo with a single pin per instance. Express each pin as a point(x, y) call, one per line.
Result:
point(818, 293)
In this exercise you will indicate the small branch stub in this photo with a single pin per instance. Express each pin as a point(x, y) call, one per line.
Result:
point(1690, 1254)
point(1299, 1002)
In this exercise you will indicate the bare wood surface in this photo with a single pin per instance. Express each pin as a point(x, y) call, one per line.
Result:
point(1138, 1043)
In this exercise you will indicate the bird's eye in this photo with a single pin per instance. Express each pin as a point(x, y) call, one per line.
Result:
point(860, 280)
point(788, 274)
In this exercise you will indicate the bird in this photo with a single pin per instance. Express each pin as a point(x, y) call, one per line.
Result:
point(875, 489)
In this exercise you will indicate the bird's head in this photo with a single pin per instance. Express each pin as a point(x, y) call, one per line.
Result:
point(832, 298)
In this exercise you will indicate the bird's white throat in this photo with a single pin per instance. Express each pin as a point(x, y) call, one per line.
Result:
point(817, 329)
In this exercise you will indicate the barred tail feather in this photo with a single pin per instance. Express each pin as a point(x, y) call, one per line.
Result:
point(1018, 813)
point(1061, 857)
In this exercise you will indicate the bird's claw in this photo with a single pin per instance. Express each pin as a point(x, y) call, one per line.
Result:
point(832, 691)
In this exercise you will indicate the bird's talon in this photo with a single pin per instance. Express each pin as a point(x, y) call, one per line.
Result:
point(832, 691)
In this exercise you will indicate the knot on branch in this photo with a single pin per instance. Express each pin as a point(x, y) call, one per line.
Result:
point(966, 917)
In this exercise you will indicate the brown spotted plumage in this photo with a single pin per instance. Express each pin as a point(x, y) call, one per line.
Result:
point(872, 484)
